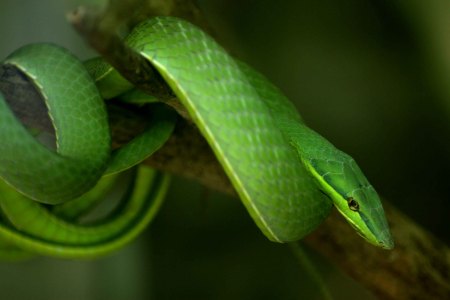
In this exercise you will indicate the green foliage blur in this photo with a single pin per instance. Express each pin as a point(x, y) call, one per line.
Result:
point(373, 76)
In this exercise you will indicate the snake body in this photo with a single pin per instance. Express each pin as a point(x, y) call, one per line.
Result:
point(287, 175)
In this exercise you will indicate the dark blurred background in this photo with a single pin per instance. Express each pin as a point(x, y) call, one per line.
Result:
point(373, 76)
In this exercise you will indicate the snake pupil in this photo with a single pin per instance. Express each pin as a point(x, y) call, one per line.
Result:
point(353, 204)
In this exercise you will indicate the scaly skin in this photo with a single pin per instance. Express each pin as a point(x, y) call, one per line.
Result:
point(80, 158)
point(46, 234)
point(287, 175)
point(336, 173)
point(83, 140)
point(274, 186)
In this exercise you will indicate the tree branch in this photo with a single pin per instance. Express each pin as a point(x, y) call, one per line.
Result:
point(418, 267)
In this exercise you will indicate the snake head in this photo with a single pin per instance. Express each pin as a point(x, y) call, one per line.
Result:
point(354, 197)
point(365, 213)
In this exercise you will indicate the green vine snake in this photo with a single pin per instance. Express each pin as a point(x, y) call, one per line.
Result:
point(287, 176)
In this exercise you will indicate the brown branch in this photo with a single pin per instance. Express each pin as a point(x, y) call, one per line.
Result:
point(186, 153)
point(418, 268)
point(100, 28)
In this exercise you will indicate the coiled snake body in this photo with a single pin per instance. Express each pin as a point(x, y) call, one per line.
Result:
point(287, 175)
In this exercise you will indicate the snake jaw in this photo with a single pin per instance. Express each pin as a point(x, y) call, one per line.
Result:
point(353, 196)
point(368, 220)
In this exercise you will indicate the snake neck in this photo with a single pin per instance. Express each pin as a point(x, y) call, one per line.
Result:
point(341, 179)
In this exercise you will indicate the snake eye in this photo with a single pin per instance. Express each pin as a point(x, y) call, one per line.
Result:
point(352, 204)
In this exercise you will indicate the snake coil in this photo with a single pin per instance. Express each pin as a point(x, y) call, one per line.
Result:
point(287, 176)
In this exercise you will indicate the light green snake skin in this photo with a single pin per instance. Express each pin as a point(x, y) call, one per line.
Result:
point(287, 175)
